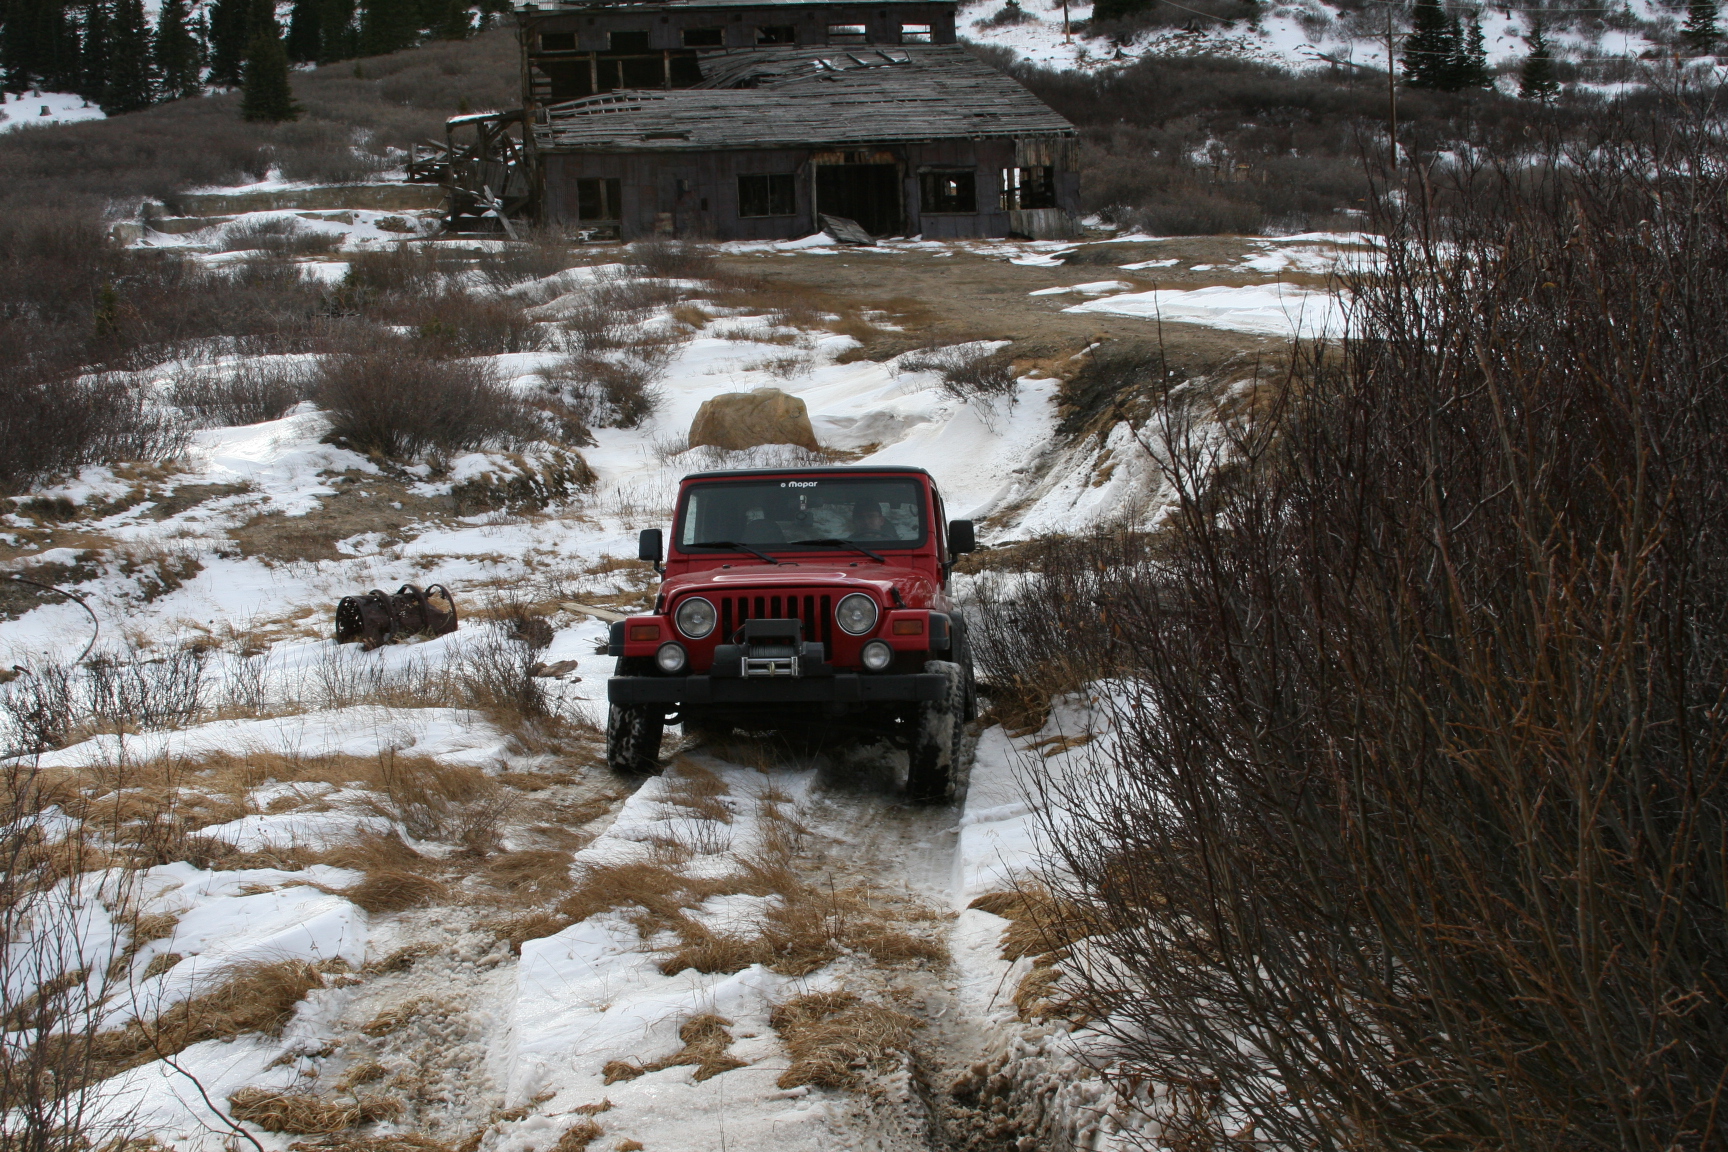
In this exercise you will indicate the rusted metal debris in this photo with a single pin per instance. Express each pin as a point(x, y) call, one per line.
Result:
point(380, 618)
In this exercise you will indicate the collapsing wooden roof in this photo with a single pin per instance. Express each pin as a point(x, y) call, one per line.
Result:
point(807, 97)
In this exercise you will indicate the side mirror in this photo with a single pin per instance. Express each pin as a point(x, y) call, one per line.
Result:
point(650, 546)
point(961, 539)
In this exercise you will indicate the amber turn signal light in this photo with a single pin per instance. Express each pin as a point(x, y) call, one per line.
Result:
point(912, 627)
point(644, 631)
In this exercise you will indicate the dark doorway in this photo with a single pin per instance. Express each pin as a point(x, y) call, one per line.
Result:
point(867, 193)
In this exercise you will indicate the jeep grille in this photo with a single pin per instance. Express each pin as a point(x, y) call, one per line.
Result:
point(816, 613)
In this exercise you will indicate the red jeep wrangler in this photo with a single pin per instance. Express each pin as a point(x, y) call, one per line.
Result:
point(800, 598)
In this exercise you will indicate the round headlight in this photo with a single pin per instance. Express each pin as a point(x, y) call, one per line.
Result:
point(670, 657)
point(877, 655)
point(856, 613)
point(696, 617)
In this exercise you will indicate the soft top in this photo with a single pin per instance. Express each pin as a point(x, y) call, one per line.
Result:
point(827, 470)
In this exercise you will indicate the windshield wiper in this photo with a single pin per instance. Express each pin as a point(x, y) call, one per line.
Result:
point(736, 547)
point(839, 543)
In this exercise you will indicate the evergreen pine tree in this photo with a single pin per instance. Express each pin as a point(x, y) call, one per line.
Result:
point(456, 24)
point(177, 70)
point(131, 75)
point(38, 46)
point(338, 38)
point(93, 55)
point(229, 37)
point(266, 94)
point(1701, 31)
point(1473, 57)
point(1431, 49)
point(304, 42)
point(388, 26)
point(1537, 81)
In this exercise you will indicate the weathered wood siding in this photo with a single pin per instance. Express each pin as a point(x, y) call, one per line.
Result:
point(695, 194)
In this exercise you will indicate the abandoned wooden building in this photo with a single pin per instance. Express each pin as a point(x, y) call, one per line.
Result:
point(726, 120)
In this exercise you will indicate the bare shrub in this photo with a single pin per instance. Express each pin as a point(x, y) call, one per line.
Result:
point(397, 404)
point(496, 677)
point(51, 701)
point(831, 1036)
point(58, 424)
point(55, 971)
point(615, 390)
point(249, 392)
point(967, 373)
point(283, 235)
point(453, 323)
point(1411, 827)
point(671, 259)
point(401, 270)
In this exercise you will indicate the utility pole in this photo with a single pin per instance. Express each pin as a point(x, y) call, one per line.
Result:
point(1066, 37)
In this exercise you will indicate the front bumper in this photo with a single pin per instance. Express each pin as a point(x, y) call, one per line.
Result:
point(841, 688)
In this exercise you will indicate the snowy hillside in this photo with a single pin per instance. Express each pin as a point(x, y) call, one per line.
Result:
point(396, 896)
point(1309, 35)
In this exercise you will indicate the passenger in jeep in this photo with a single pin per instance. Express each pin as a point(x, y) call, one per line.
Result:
point(808, 599)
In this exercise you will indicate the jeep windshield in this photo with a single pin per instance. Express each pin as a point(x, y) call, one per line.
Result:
point(803, 514)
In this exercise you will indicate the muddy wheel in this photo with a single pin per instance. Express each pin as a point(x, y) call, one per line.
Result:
point(936, 737)
point(633, 734)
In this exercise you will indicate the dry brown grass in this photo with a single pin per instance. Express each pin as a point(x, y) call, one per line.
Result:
point(617, 1070)
point(697, 788)
point(303, 1114)
point(578, 1136)
point(444, 802)
point(395, 889)
point(394, 1142)
point(518, 930)
point(593, 1109)
point(1039, 924)
point(255, 998)
point(531, 876)
point(400, 960)
point(1043, 928)
point(628, 1146)
point(831, 1036)
point(399, 1016)
point(705, 1043)
point(160, 963)
point(365, 1072)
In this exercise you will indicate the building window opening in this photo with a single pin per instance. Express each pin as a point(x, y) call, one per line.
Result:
point(1033, 187)
point(629, 42)
point(557, 41)
point(704, 37)
point(768, 194)
point(955, 191)
point(847, 34)
point(915, 34)
point(777, 34)
point(597, 199)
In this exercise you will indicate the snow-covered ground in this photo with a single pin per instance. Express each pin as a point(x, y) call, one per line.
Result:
point(22, 109)
point(517, 1048)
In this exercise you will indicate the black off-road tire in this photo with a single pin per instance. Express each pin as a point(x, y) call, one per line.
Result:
point(936, 734)
point(633, 734)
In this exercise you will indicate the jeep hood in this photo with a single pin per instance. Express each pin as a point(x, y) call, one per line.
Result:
point(915, 587)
